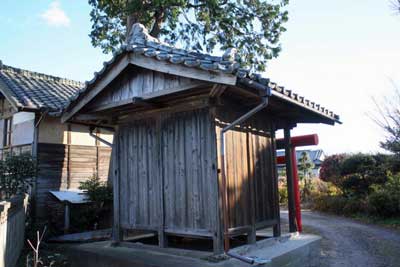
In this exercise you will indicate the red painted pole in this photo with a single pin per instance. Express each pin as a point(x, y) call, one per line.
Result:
point(296, 191)
point(297, 141)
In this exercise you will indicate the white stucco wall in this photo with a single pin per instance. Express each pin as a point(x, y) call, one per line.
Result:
point(52, 131)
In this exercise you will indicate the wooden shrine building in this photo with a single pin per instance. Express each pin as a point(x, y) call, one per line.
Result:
point(182, 164)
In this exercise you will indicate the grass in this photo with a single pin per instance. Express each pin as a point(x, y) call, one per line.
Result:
point(393, 223)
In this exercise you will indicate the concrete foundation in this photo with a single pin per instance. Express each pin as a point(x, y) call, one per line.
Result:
point(286, 251)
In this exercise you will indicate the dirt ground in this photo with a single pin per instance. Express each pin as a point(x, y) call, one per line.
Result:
point(347, 243)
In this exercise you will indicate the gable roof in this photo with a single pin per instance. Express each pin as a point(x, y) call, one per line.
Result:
point(28, 90)
point(142, 46)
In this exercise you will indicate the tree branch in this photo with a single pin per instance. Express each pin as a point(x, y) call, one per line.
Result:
point(158, 20)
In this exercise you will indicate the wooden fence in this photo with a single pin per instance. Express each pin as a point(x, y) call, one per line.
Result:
point(12, 229)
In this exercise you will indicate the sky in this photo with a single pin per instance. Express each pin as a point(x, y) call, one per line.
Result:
point(340, 53)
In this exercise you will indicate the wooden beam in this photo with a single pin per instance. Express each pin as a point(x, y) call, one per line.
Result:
point(91, 117)
point(267, 223)
point(183, 71)
point(239, 230)
point(217, 90)
point(186, 104)
point(98, 87)
point(138, 101)
point(290, 181)
point(188, 232)
point(194, 85)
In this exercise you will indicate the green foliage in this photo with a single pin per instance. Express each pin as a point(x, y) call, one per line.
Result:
point(16, 174)
point(331, 169)
point(283, 195)
point(305, 165)
point(334, 204)
point(99, 192)
point(385, 200)
point(96, 214)
point(361, 171)
point(355, 174)
point(380, 200)
point(305, 171)
point(253, 27)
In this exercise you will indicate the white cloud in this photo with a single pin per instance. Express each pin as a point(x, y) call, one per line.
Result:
point(55, 16)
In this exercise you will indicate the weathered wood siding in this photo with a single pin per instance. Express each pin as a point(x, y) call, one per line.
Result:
point(65, 166)
point(139, 179)
point(12, 230)
point(250, 170)
point(190, 172)
point(168, 174)
point(138, 83)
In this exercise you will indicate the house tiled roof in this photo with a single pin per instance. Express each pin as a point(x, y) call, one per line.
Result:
point(142, 43)
point(36, 91)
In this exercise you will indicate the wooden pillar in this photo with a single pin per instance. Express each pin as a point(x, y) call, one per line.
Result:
point(290, 181)
point(277, 227)
point(117, 231)
point(251, 236)
point(68, 156)
point(159, 152)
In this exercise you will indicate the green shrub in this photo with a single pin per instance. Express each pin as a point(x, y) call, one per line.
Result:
point(97, 214)
point(99, 192)
point(385, 200)
point(331, 169)
point(354, 206)
point(283, 195)
point(16, 174)
point(334, 204)
point(382, 203)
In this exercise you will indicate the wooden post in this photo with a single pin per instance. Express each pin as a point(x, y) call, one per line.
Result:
point(66, 217)
point(251, 236)
point(159, 151)
point(277, 227)
point(290, 181)
point(117, 231)
point(68, 156)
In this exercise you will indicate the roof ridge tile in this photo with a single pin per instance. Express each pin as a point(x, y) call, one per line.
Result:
point(38, 75)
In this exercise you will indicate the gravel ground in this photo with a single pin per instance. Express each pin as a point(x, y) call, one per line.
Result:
point(348, 243)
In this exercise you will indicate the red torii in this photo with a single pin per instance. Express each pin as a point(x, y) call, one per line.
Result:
point(296, 141)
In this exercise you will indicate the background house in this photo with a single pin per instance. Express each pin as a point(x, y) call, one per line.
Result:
point(30, 109)
point(317, 156)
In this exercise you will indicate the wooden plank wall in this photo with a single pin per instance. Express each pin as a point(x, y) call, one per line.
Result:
point(189, 171)
point(65, 166)
point(168, 174)
point(139, 83)
point(12, 229)
point(139, 179)
point(250, 171)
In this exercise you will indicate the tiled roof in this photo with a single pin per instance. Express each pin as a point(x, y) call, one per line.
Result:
point(148, 46)
point(36, 91)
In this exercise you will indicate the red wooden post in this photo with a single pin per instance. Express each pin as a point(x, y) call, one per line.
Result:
point(296, 141)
